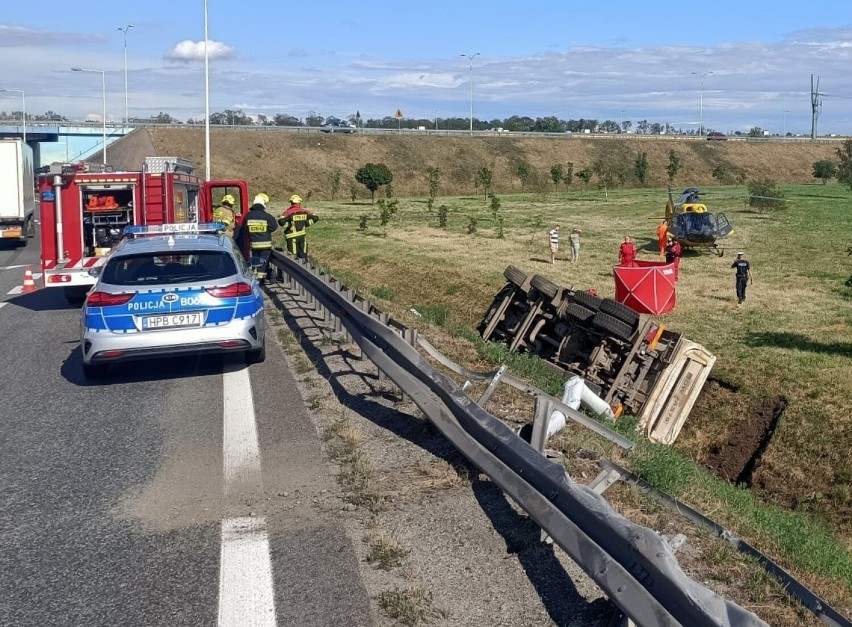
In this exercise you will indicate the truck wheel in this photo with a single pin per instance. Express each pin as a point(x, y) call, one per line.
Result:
point(620, 311)
point(515, 275)
point(613, 326)
point(589, 301)
point(94, 371)
point(579, 312)
point(545, 286)
point(256, 356)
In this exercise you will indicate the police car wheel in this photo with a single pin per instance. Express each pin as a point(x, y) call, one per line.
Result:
point(257, 356)
point(94, 371)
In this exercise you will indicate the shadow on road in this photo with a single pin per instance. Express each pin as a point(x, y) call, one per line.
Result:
point(154, 369)
point(43, 299)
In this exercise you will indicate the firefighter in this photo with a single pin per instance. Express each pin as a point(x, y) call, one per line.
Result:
point(296, 221)
point(225, 213)
point(255, 234)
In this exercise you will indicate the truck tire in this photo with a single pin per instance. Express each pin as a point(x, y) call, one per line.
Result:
point(545, 286)
point(256, 356)
point(613, 326)
point(515, 275)
point(620, 311)
point(589, 301)
point(578, 312)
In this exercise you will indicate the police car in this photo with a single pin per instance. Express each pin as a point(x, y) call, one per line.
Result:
point(172, 289)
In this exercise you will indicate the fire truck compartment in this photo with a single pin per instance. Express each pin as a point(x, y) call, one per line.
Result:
point(107, 209)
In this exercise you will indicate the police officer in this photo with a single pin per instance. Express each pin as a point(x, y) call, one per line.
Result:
point(256, 234)
point(225, 213)
point(744, 275)
point(296, 221)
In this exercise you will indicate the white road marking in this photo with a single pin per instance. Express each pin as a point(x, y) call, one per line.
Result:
point(15, 290)
point(240, 447)
point(13, 267)
point(2, 304)
point(246, 593)
point(245, 579)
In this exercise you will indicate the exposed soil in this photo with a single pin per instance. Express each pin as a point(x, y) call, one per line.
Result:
point(737, 458)
point(282, 162)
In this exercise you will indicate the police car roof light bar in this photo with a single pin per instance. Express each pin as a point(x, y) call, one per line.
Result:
point(170, 229)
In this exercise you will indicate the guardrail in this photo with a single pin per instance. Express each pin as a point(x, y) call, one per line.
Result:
point(632, 564)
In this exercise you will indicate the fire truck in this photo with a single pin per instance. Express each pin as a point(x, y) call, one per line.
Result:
point(85, 208)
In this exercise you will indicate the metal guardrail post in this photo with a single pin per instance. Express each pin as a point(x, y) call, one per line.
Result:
point(495, 381)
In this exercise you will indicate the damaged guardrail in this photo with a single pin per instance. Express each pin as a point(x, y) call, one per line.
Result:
point(630, 563)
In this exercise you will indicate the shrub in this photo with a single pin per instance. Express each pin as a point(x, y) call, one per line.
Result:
point(443, 210)
point(765, 195)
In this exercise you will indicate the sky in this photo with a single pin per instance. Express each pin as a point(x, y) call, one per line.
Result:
point(616, 60)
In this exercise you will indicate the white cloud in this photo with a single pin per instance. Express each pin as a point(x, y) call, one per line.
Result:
point(188, 50)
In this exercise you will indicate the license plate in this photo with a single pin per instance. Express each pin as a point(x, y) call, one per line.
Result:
point(11, 233)
point(172, 321)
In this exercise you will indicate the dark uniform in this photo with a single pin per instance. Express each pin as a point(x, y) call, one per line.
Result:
point(255, 234)
point(296, 221)
point(743, 275)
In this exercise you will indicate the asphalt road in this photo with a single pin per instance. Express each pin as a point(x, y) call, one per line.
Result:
point(174, 492)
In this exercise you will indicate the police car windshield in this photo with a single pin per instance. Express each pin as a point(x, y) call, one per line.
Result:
point(168, 268)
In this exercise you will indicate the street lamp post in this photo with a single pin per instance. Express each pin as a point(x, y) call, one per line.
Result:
point(436, 119)
point(470, 58)
point(701, 75)
point(784, 134)
point(206, 101)
point(103, 88)
point(124, 30)
point(23, 110)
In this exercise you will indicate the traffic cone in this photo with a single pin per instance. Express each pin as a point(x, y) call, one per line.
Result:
point(29, 283)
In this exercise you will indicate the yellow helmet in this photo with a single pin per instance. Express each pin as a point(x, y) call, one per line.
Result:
point(262, 199)
point(295, 199)
point(229, 200)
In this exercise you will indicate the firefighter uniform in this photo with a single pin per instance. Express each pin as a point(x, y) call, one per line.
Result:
point(296, 221)
point(224, 213)
point(256, 234)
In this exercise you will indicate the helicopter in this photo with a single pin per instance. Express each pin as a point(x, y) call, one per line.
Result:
point(692, 225)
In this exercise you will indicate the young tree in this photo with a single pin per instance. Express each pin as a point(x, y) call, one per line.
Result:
point(373, 176)
point(524, 173)
point(720, 173)
point(568, 177)
point(674, 165)
point(824, 169)
point(585, 175)
point(484, 179)
point(335, 183)
point(556, 174)
point(434, 174)
point(765, 194)
point(640, 167)
point(844, 170)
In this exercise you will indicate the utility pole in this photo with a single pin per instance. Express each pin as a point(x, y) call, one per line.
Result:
point(816, 106)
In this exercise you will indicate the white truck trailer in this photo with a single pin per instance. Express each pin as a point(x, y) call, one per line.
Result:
point(17, 191)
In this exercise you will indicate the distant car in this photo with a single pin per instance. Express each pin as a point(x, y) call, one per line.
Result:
point(338, 127)
point(716, 136)
point(169, 292)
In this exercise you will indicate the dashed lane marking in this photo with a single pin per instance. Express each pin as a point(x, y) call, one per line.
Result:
point(246, 594)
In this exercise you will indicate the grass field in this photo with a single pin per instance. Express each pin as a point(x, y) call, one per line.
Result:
point(792, 339)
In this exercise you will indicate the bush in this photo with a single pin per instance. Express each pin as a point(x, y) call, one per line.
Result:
point(443, 210)
point(765, 195)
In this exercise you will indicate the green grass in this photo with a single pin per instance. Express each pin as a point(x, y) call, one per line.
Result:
point(793, 337)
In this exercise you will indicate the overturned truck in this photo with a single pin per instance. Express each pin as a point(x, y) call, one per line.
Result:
point(633, 362)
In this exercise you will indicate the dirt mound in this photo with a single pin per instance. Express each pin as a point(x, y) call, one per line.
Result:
point(283, 162)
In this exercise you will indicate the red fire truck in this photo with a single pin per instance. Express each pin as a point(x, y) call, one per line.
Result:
point(84, 209)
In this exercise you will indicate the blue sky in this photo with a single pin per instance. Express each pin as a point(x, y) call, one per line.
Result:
point(615, 60)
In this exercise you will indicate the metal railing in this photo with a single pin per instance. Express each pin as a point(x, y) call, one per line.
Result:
point(631, 564)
